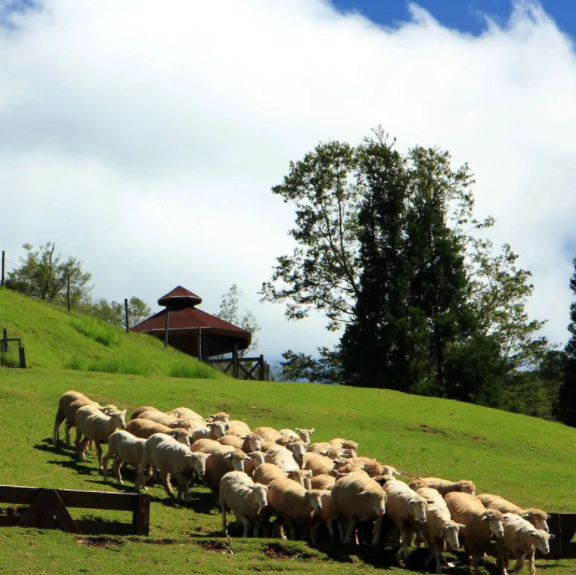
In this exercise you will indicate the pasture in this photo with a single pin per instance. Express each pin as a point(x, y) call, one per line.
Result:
point(527, 460)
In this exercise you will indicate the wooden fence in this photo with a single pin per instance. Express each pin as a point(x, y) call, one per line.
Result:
point(254, 368)
point(4, 347)
point(48, 509)
point(563, 526)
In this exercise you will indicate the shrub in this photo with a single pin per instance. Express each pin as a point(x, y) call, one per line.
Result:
point(97, 330)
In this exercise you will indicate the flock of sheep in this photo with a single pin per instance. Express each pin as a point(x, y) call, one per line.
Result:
point(263, 473)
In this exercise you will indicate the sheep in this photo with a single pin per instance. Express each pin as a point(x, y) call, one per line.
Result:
point(288, 433)
point(68, 404)
point(282, 457)
point(172, 458)
point(237, 427)
point(144, 428)
point(267, 433)
point(303, 434)
point(479, 524)
point(444, 486)
point(244, 498)
point(373, 467)
point(124, 447)
point(160, 417)
point(206, 446)
point(320, 447)
point(136, 413)
point(214, 430)
point(185, 413)
point(439, 530)
point(224, 458)
point(407, 509)
point(318, 464)
point(248, 443)
point(96, 426)
point(301, 476)
point(268, 472)
point(293, 505)
point(220, 416)
point(253, 461)
point(344, 443)
point(521, 539)
point(537, 517)
point(323, 482)
point(356, 497)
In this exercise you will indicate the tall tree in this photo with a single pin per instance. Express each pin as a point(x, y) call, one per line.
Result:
point(45, 276)
point(113, 312)
point(230, 312)
point(567, 394)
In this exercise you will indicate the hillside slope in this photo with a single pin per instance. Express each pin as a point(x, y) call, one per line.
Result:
point(57, 339)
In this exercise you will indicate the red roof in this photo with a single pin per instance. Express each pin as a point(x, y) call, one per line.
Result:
point(180, 296)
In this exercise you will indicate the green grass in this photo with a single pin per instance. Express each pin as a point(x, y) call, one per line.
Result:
point(527, 460)
point(57, 339)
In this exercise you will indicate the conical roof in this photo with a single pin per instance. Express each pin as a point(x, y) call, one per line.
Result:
point(180, 297)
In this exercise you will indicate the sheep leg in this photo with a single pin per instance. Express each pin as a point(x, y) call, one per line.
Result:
point(117, 465)
point(78, 439)
point(520, 564)
point(166, 483)
point(224, 528)
point(377, 530)
point(531, 566)
point(476, 564)
point(246, 522)
point(99, 453)
point(82, 449)
point(105, 460)
point(351, 530)
point(68, 430)
point(60, 416)
point(341, 531)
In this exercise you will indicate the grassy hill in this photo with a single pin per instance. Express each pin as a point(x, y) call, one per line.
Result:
point(57, 339)
point(530, 461)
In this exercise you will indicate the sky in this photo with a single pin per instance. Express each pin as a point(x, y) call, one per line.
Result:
point(145, 142)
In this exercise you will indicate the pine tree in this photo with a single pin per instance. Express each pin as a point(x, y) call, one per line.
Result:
point(567, 394)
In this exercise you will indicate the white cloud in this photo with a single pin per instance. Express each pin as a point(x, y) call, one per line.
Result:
point(145, 139)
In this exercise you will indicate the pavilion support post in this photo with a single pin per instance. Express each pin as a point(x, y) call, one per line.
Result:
point(235, 361)
point(200, 343)
point(166, 329)
point(262, 369)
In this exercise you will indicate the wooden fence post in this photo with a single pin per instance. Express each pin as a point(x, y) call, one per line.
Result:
point(200, 343)
point(3, 267)
point(262, 369)
point(126, 315)
point(68, 293)
point(4, 342)
point(22, 357)
point(166, 329)
point(235, 361)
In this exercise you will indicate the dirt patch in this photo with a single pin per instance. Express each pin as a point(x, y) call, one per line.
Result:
point(215, 546)
point(100, 542)
point(153, 541)
point(284, 552)
point(430, 429)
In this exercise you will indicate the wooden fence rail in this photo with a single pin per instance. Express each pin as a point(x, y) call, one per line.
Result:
point(254, 368)
point(563, 526)
point(4, 347)
point(48, 509)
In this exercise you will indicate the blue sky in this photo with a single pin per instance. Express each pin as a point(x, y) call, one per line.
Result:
point(464, 15)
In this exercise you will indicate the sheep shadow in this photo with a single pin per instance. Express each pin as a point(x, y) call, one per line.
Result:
point(47, 446)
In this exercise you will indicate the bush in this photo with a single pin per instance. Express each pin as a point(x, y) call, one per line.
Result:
point(126, 365)
point(190, 370)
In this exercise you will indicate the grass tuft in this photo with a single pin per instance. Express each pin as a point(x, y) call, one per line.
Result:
point(99, 331)
point(190, 370)
point(125, 365)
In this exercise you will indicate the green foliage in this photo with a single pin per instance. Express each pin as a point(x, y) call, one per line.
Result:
point(230, 312)
point(114, 312)
point(136, 365)
point(301, 367)
point(97, 330)
point(43, 275)
point(191, 371)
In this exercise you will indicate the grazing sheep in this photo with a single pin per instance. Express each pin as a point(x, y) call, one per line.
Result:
point(253, 461)
point(248, 443)
point(206, 446)
point(439, 530)
point(136, 413)
point(214, 430)
point(223, 459)
point(293, 505)
point(185, 413)
point(318, 464)
point(244, 498)
point(305, 434)
point(537, 517)
point(444, 486)
point(283, 458)
point(124, 447)
point(160, 417)
point(320, 447)
point(93, 425)
point(407, 509)
point(172, 459)
point(267, 433)
point(144, 428)
point(521, 539)
point(237, 427)
point(220, 416)
point(357, 498)
point(323, 482)
point(288, 433)
point(479, 524)
point(344, 444)
point(301, 476)
point(268, 472)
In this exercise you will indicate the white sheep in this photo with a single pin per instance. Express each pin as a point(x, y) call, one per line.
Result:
point(248, 443)
point(357, 498)
point(283, 458)
point(124, 447)
point(480, 524)
point(521, 539)
point(244, 498)
point(237, 427)
point(172, 459)
point(439, 530)
point(537, 517)
point(144, 428)
point(93, 425)
point(213, 430)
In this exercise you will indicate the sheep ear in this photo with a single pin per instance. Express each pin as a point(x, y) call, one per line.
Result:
point(298, 429)
point(396, 473)
point(548, 516)
point(485, 518)
point(228, 456)
point(313, 430)
point(430, 501)
point(243, 436)
point(524, 515)
point(462, 526)
point(552, 536)
point(124, 412)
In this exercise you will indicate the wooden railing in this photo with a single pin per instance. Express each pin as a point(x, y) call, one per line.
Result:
point(4, 347)
point(48, 509)
point(254, 368)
